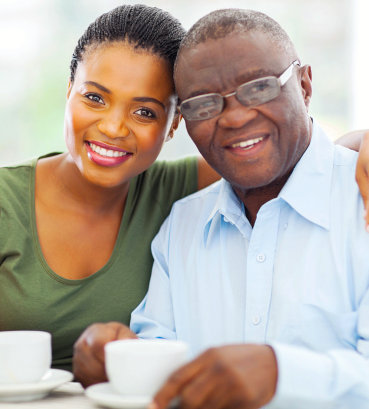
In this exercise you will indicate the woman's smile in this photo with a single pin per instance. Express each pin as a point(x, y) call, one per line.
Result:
point(106, 155)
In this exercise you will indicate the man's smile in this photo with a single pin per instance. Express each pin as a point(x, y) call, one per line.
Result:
point(248, 146)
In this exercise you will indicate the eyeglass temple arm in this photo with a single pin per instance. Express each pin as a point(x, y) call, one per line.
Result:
point(287, 74)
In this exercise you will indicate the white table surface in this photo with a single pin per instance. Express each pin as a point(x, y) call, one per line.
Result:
point(68, 396)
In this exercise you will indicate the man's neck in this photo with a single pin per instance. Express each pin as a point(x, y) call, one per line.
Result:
point(254, 198)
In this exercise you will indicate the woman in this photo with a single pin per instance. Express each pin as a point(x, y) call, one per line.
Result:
point(76, 228)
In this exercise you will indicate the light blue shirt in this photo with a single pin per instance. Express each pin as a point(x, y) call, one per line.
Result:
point(298, 280)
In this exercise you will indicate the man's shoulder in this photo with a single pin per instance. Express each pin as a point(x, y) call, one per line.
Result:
point(344, 157)
point(200, 198)
point(344, 166)
point(196, 207)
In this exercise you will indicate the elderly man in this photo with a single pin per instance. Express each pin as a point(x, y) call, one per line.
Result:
point(270, 265)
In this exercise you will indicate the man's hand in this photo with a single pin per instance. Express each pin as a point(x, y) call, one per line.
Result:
point(89, 357)
point(362, 175)
point(235, 376)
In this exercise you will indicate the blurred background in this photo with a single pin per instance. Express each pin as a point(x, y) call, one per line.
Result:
point(37, 38)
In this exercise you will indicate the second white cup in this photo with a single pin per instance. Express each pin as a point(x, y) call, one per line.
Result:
point(140, 367)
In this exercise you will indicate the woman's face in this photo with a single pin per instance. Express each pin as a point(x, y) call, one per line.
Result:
point(120, 108)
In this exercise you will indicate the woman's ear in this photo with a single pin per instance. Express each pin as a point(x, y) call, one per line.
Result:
point(176, 120)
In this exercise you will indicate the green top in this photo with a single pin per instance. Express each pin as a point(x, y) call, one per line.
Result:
point(32, 296)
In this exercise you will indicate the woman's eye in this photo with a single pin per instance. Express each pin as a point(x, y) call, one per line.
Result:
point(95, 98)
point(147, 113)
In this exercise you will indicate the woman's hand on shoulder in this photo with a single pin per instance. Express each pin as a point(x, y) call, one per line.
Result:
point(359, 141)
point(89, 358)
point(362, 175)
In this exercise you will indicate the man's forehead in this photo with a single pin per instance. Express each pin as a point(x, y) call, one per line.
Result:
point(242, 56)
point(249, 46)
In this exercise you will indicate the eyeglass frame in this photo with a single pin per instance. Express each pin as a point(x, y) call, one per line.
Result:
point(282, 79)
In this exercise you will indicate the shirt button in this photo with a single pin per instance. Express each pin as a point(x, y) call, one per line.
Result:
point(285, 226)
point(256, 320)
point(260, 258)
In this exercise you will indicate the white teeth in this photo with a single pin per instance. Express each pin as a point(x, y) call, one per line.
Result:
point(247, 144)
point(106, 152)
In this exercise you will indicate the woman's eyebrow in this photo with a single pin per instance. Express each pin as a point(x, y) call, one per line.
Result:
point(140, 99)
point(149, 99)
point(97, 85)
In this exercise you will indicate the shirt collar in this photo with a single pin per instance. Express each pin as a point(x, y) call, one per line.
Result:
point(308, 188)
point(227, 205)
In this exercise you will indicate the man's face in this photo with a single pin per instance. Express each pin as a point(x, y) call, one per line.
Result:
point(250, 147)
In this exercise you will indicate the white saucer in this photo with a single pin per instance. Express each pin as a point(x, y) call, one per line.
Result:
point(31, 391)
point(104, 394)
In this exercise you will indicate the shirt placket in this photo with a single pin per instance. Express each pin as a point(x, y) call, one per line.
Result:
point(259, 279)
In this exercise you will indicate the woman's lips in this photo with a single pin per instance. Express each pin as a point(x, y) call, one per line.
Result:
point(106, 155)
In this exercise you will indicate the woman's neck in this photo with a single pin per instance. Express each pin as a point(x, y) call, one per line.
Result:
point(62, 181)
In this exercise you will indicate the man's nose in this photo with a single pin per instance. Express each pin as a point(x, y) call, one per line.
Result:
point(235, 115)
point(114, 125)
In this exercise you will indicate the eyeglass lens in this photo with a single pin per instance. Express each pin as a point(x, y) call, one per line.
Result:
point(252, 93)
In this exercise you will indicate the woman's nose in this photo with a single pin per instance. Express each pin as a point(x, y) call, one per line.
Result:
point(114, 126)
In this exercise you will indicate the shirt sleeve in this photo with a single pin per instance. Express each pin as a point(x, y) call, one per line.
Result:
point(335, 379)
point(153, 318)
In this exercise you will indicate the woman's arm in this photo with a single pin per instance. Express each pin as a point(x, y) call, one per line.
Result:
point(206, 175)
point(359, 141)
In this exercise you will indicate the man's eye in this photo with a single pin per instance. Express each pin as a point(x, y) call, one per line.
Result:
point(261, 86)
point(145, 113)
point(95, 98)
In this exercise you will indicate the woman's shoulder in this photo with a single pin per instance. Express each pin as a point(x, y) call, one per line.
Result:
point(168, 176)
point(12, 176)
point(166, 170)
point(16, 179)
point(166, 181)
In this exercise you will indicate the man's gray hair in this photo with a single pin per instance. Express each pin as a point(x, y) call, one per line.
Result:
point(220, 23)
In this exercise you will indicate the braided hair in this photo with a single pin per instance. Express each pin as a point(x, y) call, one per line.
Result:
point(146, 28)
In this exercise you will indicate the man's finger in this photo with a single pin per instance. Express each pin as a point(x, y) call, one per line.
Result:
point(175, 383)
point(124, 332)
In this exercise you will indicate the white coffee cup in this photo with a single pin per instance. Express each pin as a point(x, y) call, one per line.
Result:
point(139, 368)
point(25, 356)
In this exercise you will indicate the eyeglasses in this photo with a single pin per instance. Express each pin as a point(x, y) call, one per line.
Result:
point(250, 93)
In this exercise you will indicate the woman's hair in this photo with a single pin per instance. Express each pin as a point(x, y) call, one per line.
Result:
point(146, 28)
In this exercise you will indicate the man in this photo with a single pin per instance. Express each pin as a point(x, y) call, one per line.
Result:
point(271, 262)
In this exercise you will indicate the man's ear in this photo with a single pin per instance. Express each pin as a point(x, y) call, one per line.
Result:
point(306, 84)
point(176, 120)
point(69, 88)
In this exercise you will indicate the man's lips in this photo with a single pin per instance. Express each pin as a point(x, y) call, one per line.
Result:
point(106, 155)
point(246, 142)
point(248, 146)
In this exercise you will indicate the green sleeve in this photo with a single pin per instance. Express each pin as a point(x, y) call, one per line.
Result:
point(168, 181)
